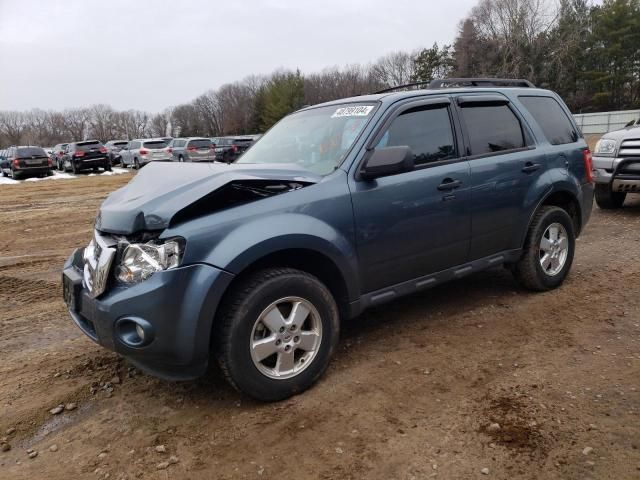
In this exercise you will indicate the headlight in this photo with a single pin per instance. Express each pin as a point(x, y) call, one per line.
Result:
point(605, 147)
point(141, 260)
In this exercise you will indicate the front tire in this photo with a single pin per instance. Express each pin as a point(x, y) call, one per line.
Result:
point(548, 250)
point(278, 330)
point(607, 199)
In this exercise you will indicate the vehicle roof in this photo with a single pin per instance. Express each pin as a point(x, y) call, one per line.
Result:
point(391, 97)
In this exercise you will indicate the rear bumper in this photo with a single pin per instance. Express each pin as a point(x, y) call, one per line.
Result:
point(587, 204)
point(83, 163)
point(32, 170)
point(177, 306)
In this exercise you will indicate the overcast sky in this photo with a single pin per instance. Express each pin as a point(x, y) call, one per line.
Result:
point(149, 55)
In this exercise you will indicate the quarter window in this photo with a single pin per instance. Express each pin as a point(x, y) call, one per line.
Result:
point(492, 128)
point(552, 119)
point(426, 130)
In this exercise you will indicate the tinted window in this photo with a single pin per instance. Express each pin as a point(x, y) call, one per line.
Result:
point(427, 131)
point(552, 119)
point(30, 152)
point(120, 144)
point(492, 128)
point(200, 143)
point(155, 144)
point(86, 146)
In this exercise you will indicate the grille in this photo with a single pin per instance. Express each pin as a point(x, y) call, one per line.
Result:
point(630, 148)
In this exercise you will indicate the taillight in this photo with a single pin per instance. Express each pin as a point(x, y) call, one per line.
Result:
point(191, 149)
point(588, 164)
point(169, 150)
point(78, 153)
point(103, 150)
point(234, 148)
point(16, 163)
point(50, 162)
point(143, 151)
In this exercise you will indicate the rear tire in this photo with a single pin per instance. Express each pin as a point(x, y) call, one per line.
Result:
point(607, 199)
point(136, 164)
point(298, 354)
point(107, 168)
point(15, 175)
point(74, 168)
point(181, 158)
point(536, 271)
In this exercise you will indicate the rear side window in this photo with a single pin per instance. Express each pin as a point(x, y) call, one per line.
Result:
point(120, 144)
point(552, 119)
point(155, 144)
point(30, 152)
point(492, 128)
point(200, 143)
point(426, 130)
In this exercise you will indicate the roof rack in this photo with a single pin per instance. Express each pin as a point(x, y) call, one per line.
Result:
point(480, 82)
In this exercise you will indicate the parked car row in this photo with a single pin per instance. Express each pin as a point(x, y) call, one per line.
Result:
point(28, 160)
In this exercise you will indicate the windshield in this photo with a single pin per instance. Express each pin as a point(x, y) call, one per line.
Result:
point(316, 139)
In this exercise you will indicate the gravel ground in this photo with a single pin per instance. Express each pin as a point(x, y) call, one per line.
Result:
point(474, 379)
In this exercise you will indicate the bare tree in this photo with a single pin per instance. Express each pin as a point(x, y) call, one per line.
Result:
point(397, 68)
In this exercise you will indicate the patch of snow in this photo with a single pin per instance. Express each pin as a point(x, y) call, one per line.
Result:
point(60, 176)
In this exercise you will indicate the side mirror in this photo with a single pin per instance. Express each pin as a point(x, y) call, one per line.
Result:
point(387, 161)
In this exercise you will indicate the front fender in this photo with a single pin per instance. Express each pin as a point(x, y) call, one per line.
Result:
point(254, 240)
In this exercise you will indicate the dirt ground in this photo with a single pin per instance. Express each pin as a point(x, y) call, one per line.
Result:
point(411, 393)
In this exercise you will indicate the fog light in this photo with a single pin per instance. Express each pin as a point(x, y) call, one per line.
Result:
point(140, 332)
point(134, 332)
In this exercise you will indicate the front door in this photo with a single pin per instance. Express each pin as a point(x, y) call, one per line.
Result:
point(414, 223)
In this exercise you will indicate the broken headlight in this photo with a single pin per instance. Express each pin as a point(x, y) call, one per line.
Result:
point(139, 261)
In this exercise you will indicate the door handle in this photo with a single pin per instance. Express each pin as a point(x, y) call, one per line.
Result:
point(449, 184)
point(530, 167)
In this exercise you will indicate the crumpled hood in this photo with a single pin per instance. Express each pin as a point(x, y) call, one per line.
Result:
point(160, 190)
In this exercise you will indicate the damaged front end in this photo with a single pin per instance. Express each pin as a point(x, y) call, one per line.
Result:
point(235, 194)
point(163, 195)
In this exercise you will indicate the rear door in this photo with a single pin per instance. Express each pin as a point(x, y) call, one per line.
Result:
point(414, 223)
point(156, 149)
point(508, 172)
point(32, 157)
point(200, 150)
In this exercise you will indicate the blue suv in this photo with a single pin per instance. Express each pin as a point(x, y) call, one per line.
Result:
point(339, 207)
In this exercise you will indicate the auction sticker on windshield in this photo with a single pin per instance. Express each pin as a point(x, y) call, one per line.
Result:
point(359, 111)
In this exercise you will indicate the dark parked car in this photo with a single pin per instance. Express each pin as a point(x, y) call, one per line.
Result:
point(229, 149)
point(25, 161)
point(56, 155)
point(90, 154)
point(339, 207)
point(113, 150)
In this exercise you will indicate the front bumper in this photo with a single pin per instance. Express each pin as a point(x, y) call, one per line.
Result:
point(179, 305)
point(621, 173)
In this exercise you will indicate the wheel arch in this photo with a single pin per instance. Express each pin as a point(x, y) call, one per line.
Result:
point(308, 260)
point(562, 198)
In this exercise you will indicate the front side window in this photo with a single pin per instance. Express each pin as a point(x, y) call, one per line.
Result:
point(317, 139)
point(426, 130)
point(492, 128)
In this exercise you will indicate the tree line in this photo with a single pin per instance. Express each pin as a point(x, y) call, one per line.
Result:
point(589, 54)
